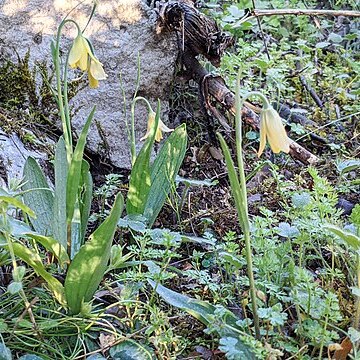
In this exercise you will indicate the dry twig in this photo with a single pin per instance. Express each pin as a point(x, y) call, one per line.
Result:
point(256, 13)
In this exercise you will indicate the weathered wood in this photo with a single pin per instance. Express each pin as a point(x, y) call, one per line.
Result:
point(201, 36)
point(198, 34)
point(226, 98)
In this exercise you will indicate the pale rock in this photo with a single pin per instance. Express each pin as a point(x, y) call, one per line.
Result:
point(119, 31)
point(13, 155)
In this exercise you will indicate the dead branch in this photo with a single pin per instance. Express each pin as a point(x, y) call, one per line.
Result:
point(226, 98)
point(256, 13)
point(307, 86)
point(198, 33)
point(308, 12)
point(201, 36)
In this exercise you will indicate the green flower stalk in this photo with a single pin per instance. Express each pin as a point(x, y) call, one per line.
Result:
point(82, 56)
point(271, 129)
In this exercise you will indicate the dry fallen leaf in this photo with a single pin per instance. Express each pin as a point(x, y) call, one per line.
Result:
point(106, 340)
point(215, 153)
point(346, 347)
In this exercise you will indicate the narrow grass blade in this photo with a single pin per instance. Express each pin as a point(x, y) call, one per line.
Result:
point(89, 265)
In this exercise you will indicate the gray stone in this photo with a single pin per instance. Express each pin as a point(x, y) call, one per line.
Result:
point(119, 31)
point(13, 155)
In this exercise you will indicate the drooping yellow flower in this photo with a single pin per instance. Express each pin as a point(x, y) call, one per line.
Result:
point(81, 56)
point(95, 72)
point(79, 53)
point(161, 128)
point(272, 130)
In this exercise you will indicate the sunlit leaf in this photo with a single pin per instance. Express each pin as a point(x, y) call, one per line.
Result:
point(34, 260)
point(163, 172)
point(140, 179)
point(52, 245)
point(89, 264)
point(74, 175)
point(349, 238)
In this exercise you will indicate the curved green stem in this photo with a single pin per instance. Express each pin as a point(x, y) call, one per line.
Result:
point(62, 93)
point(265, 101)
point(91, 16)
point(242, 180)
point(132, 133)
point(66, 101)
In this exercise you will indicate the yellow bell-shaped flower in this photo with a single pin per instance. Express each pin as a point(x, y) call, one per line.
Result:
point(95, 72)
point(272, 130)
point(79, 53)
point(161, 128)
point(81, 56)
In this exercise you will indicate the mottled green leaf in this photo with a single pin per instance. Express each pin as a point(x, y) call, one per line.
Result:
point(163, 172)
point(39, 197)
point(140, 179)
